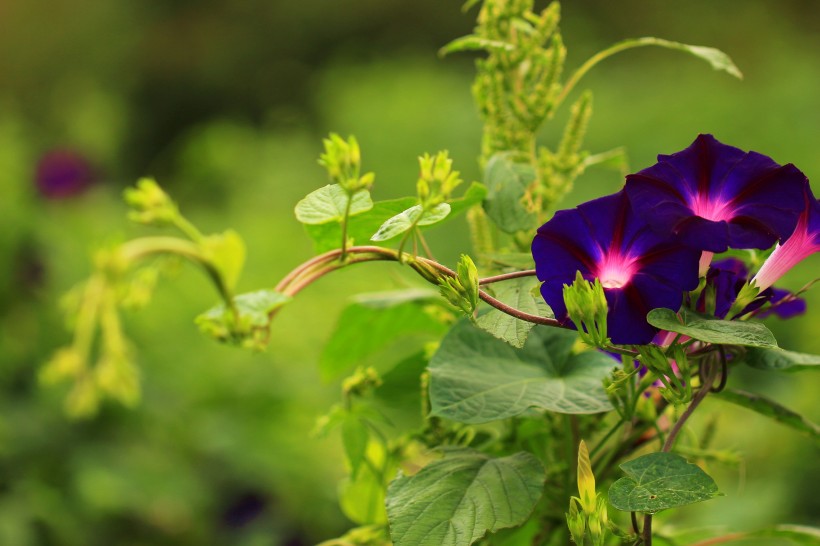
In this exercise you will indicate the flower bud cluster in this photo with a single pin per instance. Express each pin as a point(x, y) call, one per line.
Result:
point(150, 204)
point(437, 179)
point(587, 513)
point(342, 159)
point(587, 308)
point(462, 290)
point(672, 370)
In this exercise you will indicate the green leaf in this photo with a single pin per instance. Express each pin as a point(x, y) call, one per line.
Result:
point(771, 409)
point(355, 436)
point(715, 57)
point(507, 182)
point(711, 329)
point(362, 498)
point(328, 236)
point(456, 500)
point(519, 294)
point(328, 204)
point(361, 227)
point(658, 481)
point(410, 218)
point(472, 43)
point(386, 324)
point(474, 195)
point(227, 252)
point(251, 328)
point(778, 359)
point(476, 378)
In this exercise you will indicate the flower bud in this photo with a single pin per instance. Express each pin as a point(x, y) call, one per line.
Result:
point(576, 522)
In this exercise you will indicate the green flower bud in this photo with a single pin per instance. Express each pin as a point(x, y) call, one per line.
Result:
point(576, 522)
point(587, 307)
point(586, 480)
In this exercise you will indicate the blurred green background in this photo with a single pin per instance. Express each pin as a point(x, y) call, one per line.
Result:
point(226, 102)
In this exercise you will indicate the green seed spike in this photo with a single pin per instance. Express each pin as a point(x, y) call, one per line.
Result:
point(548, 21)
point(576, 128)
point(557, 56)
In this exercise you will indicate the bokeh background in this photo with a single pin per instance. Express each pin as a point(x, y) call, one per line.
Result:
point(226, 102)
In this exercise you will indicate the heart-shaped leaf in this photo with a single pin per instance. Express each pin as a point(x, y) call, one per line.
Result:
point(507, 182)
point(410, 218)
point(328, 204)
point(476, 377)
point(517, 293)
point(454, 501)
point(658, 481)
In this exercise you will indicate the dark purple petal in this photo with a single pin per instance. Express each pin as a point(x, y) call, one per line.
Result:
point(626, 322)
point(639, 268)
point(732, 264)
point(715, 196)
point(727, 277)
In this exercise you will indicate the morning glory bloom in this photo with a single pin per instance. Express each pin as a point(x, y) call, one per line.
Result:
point(639, 268)
point(804, 242)
point(63, 173)
point(713, 196)
point(727, 277)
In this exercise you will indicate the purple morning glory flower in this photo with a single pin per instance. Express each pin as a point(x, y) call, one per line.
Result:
point(713, 196)
point(728, 276)
point(783, 305)
point(639, 268)
point(804, 242)
point(63, 173)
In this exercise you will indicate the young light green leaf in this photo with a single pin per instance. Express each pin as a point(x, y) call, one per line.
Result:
point(250, 328)
point(329, 203)
point(507, 182)
point(474, 195)
point(398, 327)
point(519, 294)
point(476, 378)
point(360, 227)
point(327, 236)
point(227, 252)
point(711, 329)
point(456, 500)
point(472, 43)
point(770, 408)
point(778, 359)
point(658, 481)
point(410, 218)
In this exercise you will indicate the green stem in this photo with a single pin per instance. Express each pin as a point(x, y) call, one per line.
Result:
point(696, 400)
point(646, 532)
point(304, 275)
point(608, 52)
point(606, 437)
point(187, 228)
point(344, 226)
point(507, 276)
point(144, 247)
